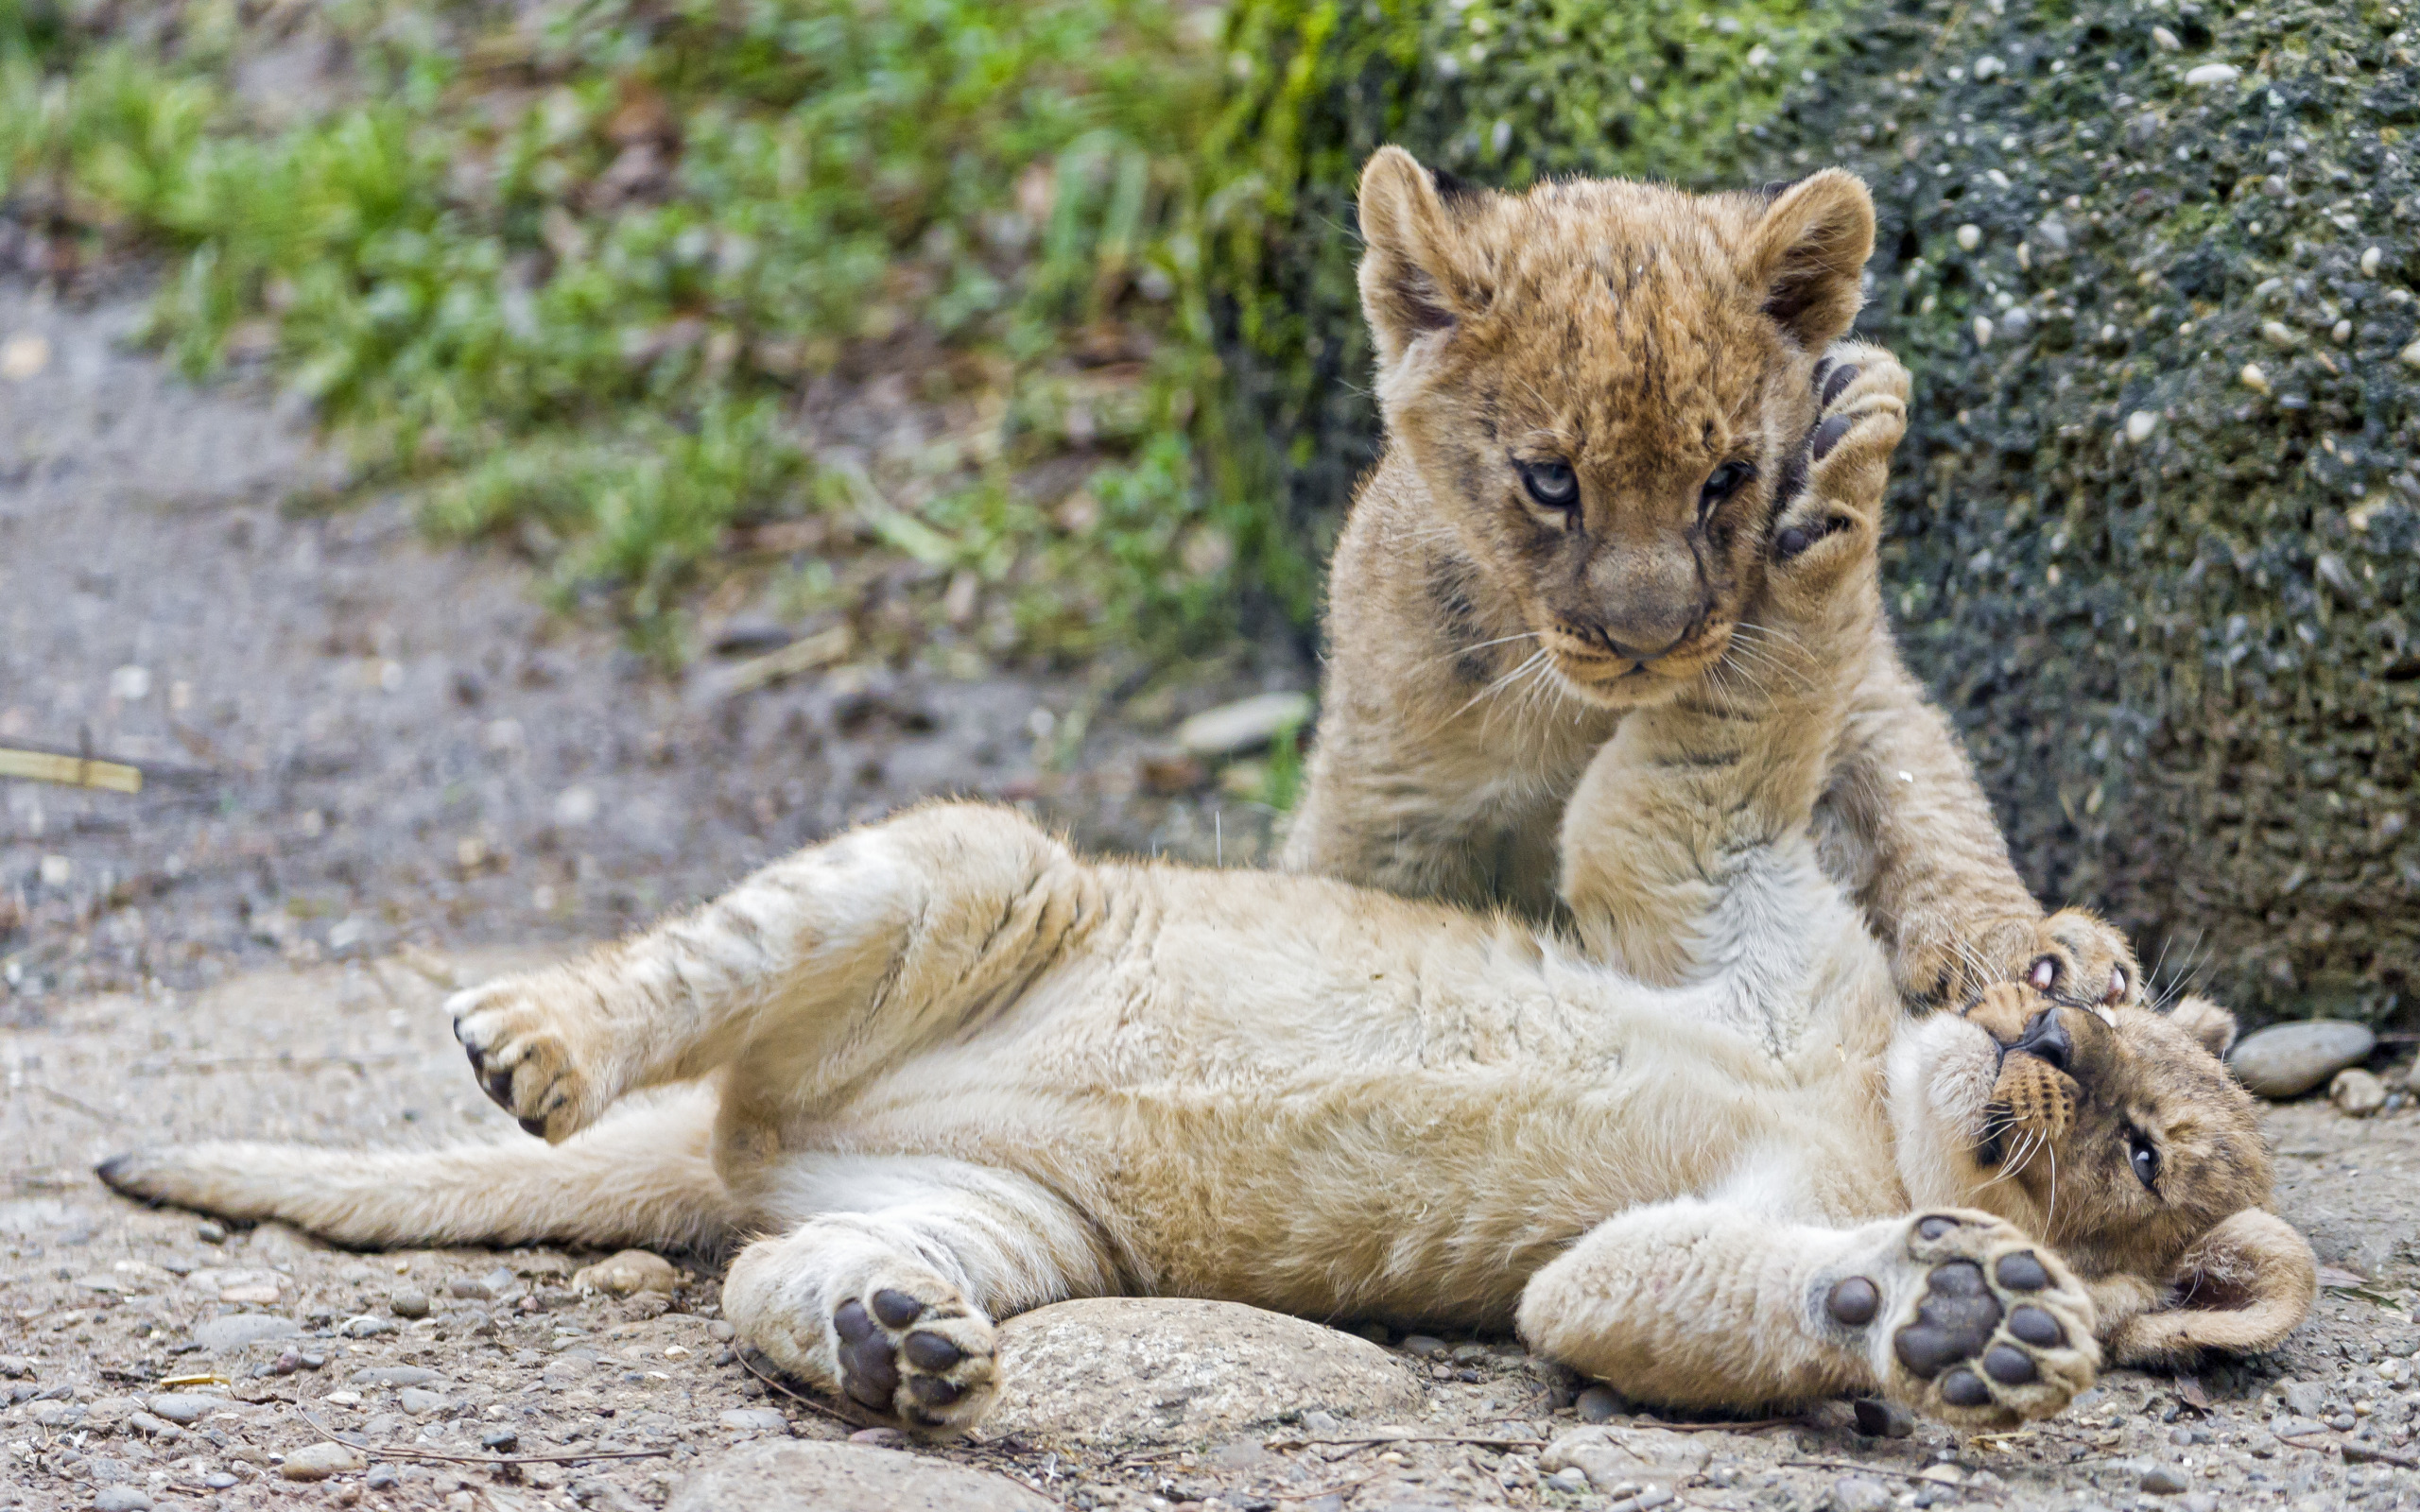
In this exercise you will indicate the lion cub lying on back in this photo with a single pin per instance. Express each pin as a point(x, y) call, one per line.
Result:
point(950, 1070)
point(1593, 394)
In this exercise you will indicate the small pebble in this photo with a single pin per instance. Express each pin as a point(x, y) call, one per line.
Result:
point(2279, 335)
point(2254, 379)
point(2213, 73)
point(2410, 355)
point(2140, 424)
point(1856, 1493)
point(1423, 1346)
point(210, 1234)
point(1570, 1480)
point(2356, 1092)
point(1982, 329)
point(318, 1461)
point(2166, 40)
point(2341, 332)
point(500, 1440)
point(1598, 1404)
point(2369, 261)
point(2164, 1480)
point(720, 1330)
point(218, 1479)
point(410, 1302)
point(1969, 237)
point(120, 1498)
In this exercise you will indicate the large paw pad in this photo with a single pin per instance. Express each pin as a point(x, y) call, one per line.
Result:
point(1989, 1329)
point(926, 1362)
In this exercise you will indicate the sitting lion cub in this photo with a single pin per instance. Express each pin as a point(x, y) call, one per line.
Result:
point(1592, 392)
point(950, 1070)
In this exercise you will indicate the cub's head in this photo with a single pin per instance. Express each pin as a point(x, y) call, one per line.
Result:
point(2114, 1133)
point(1600, 383)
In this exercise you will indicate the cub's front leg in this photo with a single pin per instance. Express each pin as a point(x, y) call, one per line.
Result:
point(1954, 1313)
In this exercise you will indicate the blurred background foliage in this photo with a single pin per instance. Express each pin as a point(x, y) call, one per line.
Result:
point(607, 281)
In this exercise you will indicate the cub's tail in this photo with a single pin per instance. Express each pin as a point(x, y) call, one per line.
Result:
point(643, 1177)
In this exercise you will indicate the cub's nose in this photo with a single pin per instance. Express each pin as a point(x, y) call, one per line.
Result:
point(2046, 1040)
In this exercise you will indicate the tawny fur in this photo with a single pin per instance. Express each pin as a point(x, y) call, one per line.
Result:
point(955, 1071)
point(1475, 640)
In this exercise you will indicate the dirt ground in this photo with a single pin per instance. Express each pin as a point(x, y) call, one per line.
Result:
point(355, 740)
point(378, 765)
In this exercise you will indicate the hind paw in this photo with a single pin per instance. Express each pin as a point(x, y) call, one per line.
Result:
point(1969, 1320)
point(531, 1057)
point(917, 1353)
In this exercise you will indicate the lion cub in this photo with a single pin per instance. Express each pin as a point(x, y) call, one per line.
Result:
point(1594, 394)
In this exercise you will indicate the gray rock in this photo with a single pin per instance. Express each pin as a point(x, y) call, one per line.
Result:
point(1598, 1404)
point(1570, 1480)
point(1857, 1493)
point(753, 1419)
point(317, 1461)
point(394, 1375)
point(1422, 1345)
point(796, 1475)
point(2307, 1398)
point(2288, 1060)
point(2164, 1480)
point(15, 1367)
point(219, 1335)
point(419, 1402)
point(152, 1427)
point(185, 1406)
point(1116, 1370)
point(1245, 725)
point(120, 1499)
point(408, 1301)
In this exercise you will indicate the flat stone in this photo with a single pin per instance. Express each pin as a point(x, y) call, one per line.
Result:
point(2165, 1480)
point(1159, 1370)
point(753, 1419)
point(394, 1375)
point(419, 1403)
point(317, 1461)
point(2288, 1060)
point(1611, 1456)
point(1231, 729)
point(783, 1475)
point(120, 1498)
point(217, 1336)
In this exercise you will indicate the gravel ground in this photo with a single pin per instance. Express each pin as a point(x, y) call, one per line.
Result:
point(375, 765)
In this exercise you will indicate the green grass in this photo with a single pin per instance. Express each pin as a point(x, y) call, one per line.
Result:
point(569, 286)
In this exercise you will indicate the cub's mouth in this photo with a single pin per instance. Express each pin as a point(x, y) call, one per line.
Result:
point(1612, 682)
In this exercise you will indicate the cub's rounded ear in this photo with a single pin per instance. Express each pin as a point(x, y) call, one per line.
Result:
point(1410, 279)
point(1807, 254)
point(2206, 1021)
point(2242, 1288)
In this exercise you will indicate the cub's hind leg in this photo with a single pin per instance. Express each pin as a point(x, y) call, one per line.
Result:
point(886, 1295)
point(823, 966)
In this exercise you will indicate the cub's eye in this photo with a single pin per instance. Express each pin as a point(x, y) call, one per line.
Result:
point(1727, 480)
point(2144, 1158)
point(1551, 482)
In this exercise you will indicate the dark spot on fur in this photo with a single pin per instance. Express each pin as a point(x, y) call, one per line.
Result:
point(1453, 189)
point(1780, 187)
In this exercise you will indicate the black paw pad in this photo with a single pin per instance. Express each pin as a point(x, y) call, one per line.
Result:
point(1854, 1301)
point(1830, 434)
point(930, 1351)
point(1838, 384)
point(2009, 1366)
point(1954, 1320)
point(1792, 540)
point(869, 1369)
point(1965, 1388)
point(532, 1126)
point(896, 1309)
point(2023, 1272)
point(1934, 1227)
point(499, 1087)
point(2036, 1327)
point(933, 1391)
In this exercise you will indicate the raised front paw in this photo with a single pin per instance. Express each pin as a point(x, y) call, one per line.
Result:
point(531, 1057)
point(2077, 957)
point(1831, 509)
point(915, 1351)
point(1966, 1319)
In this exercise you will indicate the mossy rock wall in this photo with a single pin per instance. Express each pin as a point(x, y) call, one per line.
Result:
point(2174, 603)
